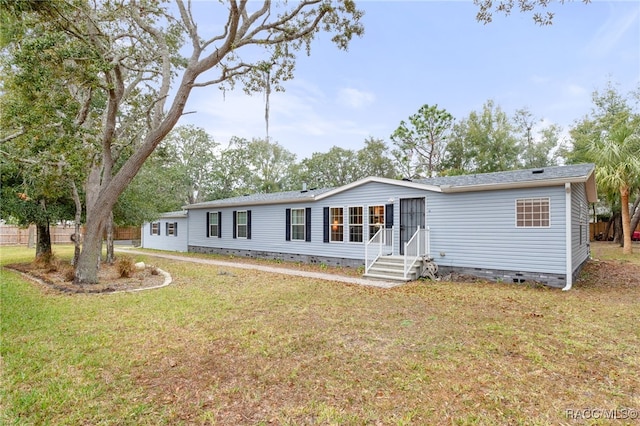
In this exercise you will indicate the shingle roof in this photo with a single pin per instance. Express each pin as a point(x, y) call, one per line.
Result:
point(255, 199)
point(176, 214)
point(483, 181)
point(567, 173)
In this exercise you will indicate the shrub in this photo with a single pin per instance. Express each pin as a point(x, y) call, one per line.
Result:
point(126, 265)
point(68, 272)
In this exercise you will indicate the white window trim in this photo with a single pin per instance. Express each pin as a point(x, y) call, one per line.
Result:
point(171, 229)
point(527, 199)
point(304, 224)
point(212, 224)
point(157, 232)
point(361, 225)
point(380, 224)
point(331, 224)
point(238, 224)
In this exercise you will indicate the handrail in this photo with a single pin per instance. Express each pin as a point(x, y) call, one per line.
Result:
point(419, 245)
point(374, 248)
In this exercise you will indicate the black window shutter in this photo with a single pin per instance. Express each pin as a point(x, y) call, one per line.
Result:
point(208, 214)
point(287, 225)
point(234, 223)
point(307, 224)
point(248, 224)
point(159, 228)
point(219, 225)
point(388, 216)
point(150, 228)
point(175, 229)
point(325, 231)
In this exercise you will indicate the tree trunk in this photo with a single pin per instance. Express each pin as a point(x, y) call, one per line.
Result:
point(627, 248)
point(76, 237)
point(44, 253)
point(110, 251)
point(617, 229)
point(610, 226)
point(89, 259)
point(635, 211)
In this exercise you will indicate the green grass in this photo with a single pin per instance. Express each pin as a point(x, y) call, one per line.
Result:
point(259, 348)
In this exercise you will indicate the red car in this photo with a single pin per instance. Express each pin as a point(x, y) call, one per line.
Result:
point(635, 236)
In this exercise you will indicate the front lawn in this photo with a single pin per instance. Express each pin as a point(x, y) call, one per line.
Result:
point(230, 346)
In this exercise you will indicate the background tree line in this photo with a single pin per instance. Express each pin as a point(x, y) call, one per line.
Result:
point(191, 167)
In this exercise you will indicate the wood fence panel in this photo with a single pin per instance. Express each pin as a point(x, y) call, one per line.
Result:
point(15, 235)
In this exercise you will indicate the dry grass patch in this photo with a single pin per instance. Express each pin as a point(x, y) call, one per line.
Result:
point(248, 347)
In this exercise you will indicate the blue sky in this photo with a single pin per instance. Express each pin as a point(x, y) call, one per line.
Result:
point(427, 52)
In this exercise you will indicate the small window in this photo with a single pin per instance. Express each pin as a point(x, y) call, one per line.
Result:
point(214, 230)
point(336, 224)
point(376, 219)
point(532, 213)
point(241, 224)
point(155, 228)
point(172, 229)
point(297, 224)
point(355, 224)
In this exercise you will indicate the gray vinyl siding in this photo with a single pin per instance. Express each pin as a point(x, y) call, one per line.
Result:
point(579, 224)
point(478, 230)
point(268, 223)
point(164, 242)
point(467, 230)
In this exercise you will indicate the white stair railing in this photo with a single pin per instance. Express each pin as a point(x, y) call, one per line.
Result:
point(380, 244)
point(418, 246)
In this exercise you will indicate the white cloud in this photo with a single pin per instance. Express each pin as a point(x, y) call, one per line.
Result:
point(575, 90)
point(355, 98)
point(612, 31)
point(538, 79)
point(299, 119)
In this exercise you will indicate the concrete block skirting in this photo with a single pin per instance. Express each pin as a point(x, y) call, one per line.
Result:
point(498, 275)
point(287, 257)
point(504, 276)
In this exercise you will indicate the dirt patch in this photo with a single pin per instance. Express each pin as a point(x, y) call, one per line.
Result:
point(609, 274)
point(58, 276)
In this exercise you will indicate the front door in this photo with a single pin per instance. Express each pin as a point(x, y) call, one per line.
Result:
point(411, 216)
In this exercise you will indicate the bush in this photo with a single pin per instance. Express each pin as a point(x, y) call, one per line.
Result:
point(126, 265)
point(68, 272)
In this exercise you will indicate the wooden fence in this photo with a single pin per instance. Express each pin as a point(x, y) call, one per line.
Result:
point(15, 235)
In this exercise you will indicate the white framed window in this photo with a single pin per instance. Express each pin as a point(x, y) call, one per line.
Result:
point(241, 224)
point(376, 219)
point(172, 229)
point(298, 224)
point(336, 224)
point(214, 228)
point(533, 213)
point(356, 220)
point(155, 228)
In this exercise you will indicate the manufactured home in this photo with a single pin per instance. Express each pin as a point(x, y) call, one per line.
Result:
point(169, 232)
point(515, 226)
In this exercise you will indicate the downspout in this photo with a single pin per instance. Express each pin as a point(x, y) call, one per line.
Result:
point(568, 239)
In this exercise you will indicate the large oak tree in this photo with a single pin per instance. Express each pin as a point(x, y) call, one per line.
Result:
point(137, 51)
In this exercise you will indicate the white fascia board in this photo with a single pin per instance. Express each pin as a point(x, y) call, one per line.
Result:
point(395, 182)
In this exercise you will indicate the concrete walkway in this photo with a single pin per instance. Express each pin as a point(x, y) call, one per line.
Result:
point(271, 269)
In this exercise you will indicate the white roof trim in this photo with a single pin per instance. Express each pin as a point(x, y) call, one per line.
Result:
point(402, 183)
